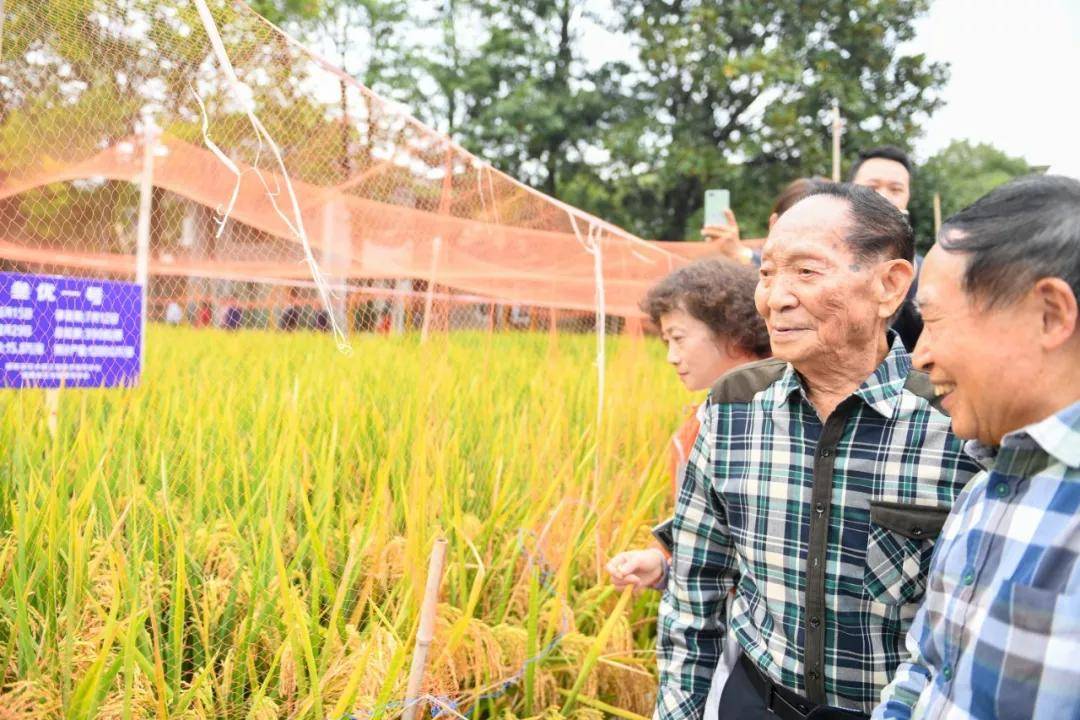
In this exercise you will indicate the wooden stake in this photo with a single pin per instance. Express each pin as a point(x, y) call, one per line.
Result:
point(52, 409)
point(937, 214)
point(836, 140)
point(426, 631)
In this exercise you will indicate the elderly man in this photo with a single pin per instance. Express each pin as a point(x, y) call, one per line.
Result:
point(816, 486)
point(998, 634)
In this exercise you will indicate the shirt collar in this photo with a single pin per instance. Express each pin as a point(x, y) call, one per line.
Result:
point(881, 390)
point(1057, 436)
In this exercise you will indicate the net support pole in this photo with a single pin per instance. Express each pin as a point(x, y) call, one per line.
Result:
point(429, 296)
point(337, 254)
point(142, 236)
point(596, 241)
point(426, 632)
point(836, 140)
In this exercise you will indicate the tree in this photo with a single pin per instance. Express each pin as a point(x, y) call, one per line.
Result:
point(961, 173)
point(737, 95)
point(515, 89)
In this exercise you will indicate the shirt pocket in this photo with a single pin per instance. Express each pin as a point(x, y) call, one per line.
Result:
point(898, 548)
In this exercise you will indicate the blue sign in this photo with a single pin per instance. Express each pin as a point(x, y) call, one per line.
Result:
point(69, 332)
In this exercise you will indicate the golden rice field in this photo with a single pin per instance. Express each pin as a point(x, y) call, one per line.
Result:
point(245, 534)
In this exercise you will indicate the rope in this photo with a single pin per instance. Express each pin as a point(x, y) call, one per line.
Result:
point(244, 94)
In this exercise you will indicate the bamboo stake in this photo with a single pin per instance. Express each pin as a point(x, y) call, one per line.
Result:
point(426, 631)
point(836, 140)
point(937, 214)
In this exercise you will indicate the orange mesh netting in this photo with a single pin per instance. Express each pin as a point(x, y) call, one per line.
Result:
point(381, 196)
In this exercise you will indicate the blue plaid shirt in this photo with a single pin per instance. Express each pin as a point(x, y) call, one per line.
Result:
point(825, 530)
point(998, 635)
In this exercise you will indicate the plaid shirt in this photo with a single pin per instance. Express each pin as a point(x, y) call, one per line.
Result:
point(779, 505)
point(998, 635)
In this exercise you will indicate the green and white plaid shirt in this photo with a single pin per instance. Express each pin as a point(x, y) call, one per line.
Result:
point(824, 529)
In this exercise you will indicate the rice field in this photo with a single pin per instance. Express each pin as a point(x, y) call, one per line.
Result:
point(246, 534)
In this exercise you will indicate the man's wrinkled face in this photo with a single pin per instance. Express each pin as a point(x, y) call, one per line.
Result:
point(813, 292)
point(887, 178)
point(978, 358)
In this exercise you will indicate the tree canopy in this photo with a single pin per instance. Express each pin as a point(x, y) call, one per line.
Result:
point(961, 173)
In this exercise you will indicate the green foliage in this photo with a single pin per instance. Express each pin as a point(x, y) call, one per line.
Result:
point(737, 95)
point(733, 94)
point(280, 11)
point(961, 173)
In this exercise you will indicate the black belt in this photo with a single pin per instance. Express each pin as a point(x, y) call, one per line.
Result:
point(788, 704)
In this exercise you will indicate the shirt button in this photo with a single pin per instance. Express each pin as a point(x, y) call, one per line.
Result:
point(946, 672)
point(826, 452)
point(820, 507)
point(1002, 489)
point(813, 675)
point(815, 621)
point(969, 576)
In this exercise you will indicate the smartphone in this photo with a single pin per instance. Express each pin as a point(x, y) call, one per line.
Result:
point(664, 534)
point(716, 202)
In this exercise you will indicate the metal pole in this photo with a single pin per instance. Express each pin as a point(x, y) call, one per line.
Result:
point(142, 238)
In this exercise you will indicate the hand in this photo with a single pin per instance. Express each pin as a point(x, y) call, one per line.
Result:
point(640, 568)
point(725, 237)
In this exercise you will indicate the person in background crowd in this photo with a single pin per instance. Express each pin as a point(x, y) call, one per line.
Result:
point(174, 314)
point(998, 634)
point(816, 486)
point(887, 170)
point(293, 315)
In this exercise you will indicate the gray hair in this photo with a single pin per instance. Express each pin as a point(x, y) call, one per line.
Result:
point(1017, 234)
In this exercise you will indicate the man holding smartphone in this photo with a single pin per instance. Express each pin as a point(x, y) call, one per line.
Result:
point(722, 229)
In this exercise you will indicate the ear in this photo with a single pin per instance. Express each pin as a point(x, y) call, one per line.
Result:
point(1056, 301)
point(772, 220)
point(892, 280)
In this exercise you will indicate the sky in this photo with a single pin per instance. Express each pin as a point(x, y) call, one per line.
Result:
point(1014, 80)
point(1015, 77)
